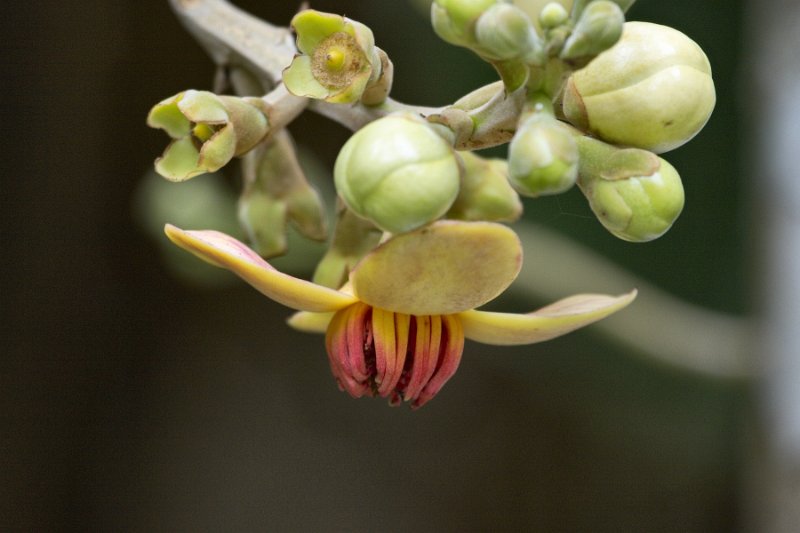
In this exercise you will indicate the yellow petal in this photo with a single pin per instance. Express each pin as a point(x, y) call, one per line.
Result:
point(308, 322)
point(442, 269)
point(224, 251)
point(548, 322)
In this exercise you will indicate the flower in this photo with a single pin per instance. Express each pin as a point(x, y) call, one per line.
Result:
point(397, 328)
point(208, 131)
point(337, 61)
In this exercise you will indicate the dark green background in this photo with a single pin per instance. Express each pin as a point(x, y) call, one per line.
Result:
point(133, 401)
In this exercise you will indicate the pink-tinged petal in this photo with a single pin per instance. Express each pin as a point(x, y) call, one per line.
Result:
point(426, 354)
point(309, 322)
point(441, 269)
point(449, 358)
point(337, 343)
point(546, 323)
point(224, 251)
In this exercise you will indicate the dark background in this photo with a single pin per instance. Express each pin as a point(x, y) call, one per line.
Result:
point(132, 400)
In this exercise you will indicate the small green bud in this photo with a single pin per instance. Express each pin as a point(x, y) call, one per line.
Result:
point(485, 192)
point(504, 32)
point(338, 58)
point(263, 218)
point(276, 191)
point(651, 90)
point(542, 157)
point(353, 238)
point(598, 29)
point(535, 8)
point(454, 20)
point(635, 194)
point(398, 173)
point(552, 15)
point(208, 131)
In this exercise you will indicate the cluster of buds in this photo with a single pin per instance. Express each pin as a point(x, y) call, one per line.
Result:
point(418, 243)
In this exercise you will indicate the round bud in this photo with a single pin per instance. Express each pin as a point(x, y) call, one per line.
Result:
point(503, 32)
point(651, 90)
point(553, 15)
point(454, 20)
point(542, 157)
point(398, 173)
point(639, 208)
point(598, 29)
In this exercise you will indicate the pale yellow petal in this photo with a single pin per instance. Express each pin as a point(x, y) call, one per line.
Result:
point(441, 269)
point(308, 322)
point(546, 323)
point(226, 252)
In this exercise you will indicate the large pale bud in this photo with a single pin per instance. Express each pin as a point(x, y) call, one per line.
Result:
point(398, 173)
point(651, 90)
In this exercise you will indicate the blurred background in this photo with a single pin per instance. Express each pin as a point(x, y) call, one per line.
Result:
point(133, 399)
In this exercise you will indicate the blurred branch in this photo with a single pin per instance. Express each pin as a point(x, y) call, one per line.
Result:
point(774, 78)
point(657, 325)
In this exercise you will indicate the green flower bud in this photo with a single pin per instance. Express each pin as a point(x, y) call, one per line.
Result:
point(504, 32)
point(398, 173)
point(208, 131)
point(454, 20)
point(535, 10)
point(598, 29)
point(353, 238)
point(276, 191)
point(485, 192)
point(651, 90)
point(338, 58)
point(553, 15)
point(635, 194)
point(542, 157)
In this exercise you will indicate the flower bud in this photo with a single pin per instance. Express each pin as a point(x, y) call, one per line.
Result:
point(276, 191)
point(208, 131)
point(535, 10)
point(504, 32)
point(398, 173)
point(542, 157)
point(485, 192)
point(338, 58)
point(353, 238)
point(651, 90)
point(635, 194)
point(454, 20)
point(553, 15)
point(598, 29)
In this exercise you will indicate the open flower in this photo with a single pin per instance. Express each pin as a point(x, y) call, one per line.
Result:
point(397, 328)
point(208, 130)
point(337, 59)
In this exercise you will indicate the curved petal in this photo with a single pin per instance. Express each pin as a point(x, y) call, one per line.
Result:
point(312, 27)
point(445, 268)
point(546, 323)
point(219, 149)
point(299, 79)
point(224, 251)
point(309, 322)
point(203, 106)
point(179, 161)
point(167, 116)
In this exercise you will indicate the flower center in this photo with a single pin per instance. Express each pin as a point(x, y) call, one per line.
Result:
point(336, 60)
point(375, 352)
